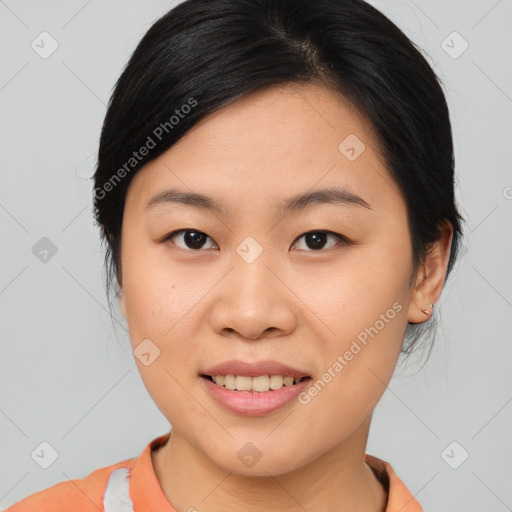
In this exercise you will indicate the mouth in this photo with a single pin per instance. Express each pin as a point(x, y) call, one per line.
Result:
point(257, 384)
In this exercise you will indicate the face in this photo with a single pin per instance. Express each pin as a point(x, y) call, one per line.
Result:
point(320, 285)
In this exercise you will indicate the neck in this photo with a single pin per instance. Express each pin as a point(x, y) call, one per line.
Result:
point(338, 481)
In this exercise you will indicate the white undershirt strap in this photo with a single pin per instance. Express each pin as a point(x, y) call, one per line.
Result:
point(117, 495)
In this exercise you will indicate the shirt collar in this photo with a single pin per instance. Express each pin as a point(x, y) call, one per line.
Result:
point(400, 498)
point(146, 493)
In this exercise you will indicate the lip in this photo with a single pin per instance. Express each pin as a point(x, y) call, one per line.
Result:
point(266, 367)
point(252, 403)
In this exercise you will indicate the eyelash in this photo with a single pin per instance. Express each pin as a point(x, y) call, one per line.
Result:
point(342, 240)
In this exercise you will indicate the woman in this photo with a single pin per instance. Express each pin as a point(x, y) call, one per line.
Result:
point(275, 190)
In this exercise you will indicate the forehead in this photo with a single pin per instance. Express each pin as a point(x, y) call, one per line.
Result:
point(274, 143)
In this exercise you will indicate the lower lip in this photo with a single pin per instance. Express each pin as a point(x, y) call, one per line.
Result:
point(253, 403)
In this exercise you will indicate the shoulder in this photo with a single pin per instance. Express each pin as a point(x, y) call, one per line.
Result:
point(84, 495)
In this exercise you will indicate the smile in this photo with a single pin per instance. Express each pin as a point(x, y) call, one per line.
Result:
point(259, 384)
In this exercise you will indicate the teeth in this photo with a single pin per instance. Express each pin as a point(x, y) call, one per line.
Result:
point(260, 384)
point(288, 381)
point(229, 382)
point(243, 383)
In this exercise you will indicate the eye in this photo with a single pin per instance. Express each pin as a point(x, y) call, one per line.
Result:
point(193, 239)
point(316, 240)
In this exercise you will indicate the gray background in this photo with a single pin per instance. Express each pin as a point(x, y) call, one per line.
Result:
point(65, 377)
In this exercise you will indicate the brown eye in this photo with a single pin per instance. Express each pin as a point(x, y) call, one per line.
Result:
point(317, 240)
point(192, 239)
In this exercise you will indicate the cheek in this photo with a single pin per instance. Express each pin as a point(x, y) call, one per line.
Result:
point(159, 295)
point(161, 305)
point(367, 285)
point(361, 306)
point(358, 362)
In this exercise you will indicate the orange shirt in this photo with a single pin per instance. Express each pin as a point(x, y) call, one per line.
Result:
point(132, 485)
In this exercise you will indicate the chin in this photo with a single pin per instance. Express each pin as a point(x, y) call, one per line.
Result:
point(260, 465)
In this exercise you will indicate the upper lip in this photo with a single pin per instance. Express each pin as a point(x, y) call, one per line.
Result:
point(266, 367)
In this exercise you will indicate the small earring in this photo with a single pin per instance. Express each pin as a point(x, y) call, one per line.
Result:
point(431, 306)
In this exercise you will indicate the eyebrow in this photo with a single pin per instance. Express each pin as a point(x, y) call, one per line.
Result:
point(298, 202)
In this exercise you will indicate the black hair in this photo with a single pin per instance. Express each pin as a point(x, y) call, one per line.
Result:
point(205, 54)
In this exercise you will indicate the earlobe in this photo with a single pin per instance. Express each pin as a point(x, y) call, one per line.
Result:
point(431, 277)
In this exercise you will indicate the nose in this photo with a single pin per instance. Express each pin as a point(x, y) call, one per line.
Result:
point(253, 301)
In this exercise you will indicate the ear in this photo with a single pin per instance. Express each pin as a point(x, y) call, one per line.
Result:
point(122, 304)
point(431, 276)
